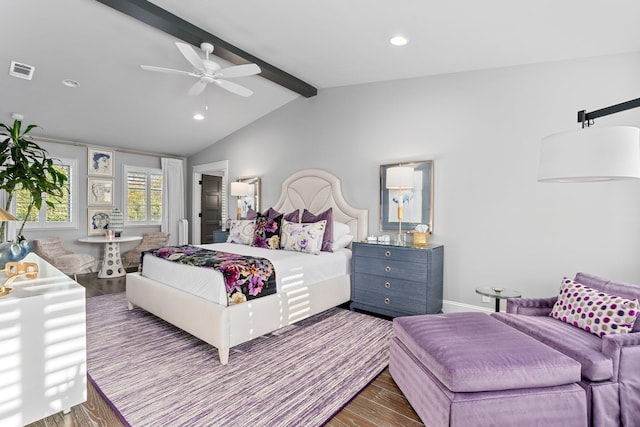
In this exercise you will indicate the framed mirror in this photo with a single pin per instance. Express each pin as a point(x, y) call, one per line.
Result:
point(252, 200)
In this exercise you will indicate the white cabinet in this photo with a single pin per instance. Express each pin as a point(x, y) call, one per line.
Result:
point(43, 357)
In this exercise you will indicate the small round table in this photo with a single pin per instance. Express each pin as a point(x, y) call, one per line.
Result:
point(111, 262)
point(498, 294)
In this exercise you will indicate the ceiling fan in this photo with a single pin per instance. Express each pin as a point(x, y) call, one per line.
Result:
point(208, 71)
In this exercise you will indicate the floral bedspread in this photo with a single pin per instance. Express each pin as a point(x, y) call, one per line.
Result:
point(245, 277)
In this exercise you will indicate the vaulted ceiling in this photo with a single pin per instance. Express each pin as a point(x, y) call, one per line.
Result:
point(324, 44)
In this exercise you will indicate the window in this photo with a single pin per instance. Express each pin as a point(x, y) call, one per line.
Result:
point(65, 212)
point(143, 201)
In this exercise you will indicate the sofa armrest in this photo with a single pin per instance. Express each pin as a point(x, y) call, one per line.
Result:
point(531, 306)
point(624, 351)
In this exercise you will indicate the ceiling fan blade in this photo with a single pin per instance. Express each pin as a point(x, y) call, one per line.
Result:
point(197, 88)
point(191, 56)
point(167, 70)
point(234, 88)
point(239, 71)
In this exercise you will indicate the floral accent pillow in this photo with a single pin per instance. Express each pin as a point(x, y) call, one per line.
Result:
point(267, 232)
point(241, 231)
point(593, 310)
point(300, 237)
point(327, 239)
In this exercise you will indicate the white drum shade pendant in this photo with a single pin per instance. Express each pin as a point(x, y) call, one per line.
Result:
point(591, 154)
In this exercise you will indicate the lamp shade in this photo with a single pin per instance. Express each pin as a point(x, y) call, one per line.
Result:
point(591, 154)
point(400, 177)
point(6, 216)
point(239, 189)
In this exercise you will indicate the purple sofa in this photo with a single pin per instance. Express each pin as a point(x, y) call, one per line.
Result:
point(610, 366)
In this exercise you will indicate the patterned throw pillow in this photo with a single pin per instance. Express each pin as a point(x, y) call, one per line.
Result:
point(300, 237)
point(327, 239)
point(593, 310)
point(241, 231)
point(267, 232)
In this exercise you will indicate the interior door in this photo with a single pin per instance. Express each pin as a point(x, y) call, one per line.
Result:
point(211, 208)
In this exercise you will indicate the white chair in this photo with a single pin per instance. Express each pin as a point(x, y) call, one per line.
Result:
point(51, 250)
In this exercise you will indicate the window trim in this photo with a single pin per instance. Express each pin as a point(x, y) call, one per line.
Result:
point(125, 192)
point(42, 223)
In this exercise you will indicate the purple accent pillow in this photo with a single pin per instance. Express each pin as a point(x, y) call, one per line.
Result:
point(267, 232)
point(272, 213)
point(327, 239)
point(593, 310)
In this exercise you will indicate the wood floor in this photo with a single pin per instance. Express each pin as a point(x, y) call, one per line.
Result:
point(381, 403)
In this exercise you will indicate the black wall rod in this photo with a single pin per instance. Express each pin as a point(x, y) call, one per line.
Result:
point(584, 117)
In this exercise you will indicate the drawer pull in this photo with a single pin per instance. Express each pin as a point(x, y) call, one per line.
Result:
point(387, 285)
point(387, 253)
point(387, 269)
point(387, 300)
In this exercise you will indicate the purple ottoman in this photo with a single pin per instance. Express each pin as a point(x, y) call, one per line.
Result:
point(469, 369)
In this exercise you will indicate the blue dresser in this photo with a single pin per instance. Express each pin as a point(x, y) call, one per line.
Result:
point(396, 280)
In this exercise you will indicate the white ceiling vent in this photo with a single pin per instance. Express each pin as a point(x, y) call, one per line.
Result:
point(22, 71)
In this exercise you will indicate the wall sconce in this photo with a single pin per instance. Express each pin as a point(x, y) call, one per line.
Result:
point(400, 178)
point(592, 154)
point(239, 190)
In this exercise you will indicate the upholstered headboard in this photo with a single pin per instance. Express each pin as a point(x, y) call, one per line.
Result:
point(318, 190)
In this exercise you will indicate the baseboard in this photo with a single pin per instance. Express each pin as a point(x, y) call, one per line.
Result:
point(458, 307)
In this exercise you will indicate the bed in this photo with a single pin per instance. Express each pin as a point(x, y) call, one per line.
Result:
point(226, 326)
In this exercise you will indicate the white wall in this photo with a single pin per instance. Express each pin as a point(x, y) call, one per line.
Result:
point(498, 224)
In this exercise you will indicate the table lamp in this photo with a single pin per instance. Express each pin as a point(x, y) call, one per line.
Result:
point(400, 178)
point(239, 190)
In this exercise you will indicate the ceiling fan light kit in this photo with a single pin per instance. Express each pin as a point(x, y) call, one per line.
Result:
point(208, 71)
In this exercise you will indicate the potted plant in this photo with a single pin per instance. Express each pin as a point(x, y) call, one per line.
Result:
point(24, 165)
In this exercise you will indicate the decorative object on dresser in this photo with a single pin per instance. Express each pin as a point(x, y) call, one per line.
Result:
point(417, 204)
point(397, 280)
point(239, 190)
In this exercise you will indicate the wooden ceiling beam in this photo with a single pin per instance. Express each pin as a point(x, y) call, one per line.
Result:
point(163, 20)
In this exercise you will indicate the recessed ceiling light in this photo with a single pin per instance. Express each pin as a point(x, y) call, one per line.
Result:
point(398, 41)
point(70, 83)
point(198, 116)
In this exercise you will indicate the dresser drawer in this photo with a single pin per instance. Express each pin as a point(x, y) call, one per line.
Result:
point(390, 253)
point(390, 268)
point(390, 286)
point(400, 304)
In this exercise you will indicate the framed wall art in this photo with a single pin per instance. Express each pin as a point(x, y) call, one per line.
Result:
point(100, 191)
point(100, 162)
point(98, 221)
point(417, 201)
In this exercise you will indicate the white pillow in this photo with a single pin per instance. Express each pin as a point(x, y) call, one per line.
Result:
point(339, 230)
point(342, 242)
point(302, 237)
point(241, 231)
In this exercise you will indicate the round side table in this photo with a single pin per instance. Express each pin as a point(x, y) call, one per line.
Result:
point(111, 262)
point(498, 294)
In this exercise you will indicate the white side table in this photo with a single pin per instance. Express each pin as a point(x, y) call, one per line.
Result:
point(112, 262)
point(43, 351)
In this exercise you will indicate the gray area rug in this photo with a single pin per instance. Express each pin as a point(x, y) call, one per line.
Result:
point(154, 374)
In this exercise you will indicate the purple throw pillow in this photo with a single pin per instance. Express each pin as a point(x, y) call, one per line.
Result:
point(327, 239)
point(272, 213)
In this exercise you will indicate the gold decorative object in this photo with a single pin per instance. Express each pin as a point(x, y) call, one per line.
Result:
point(14, 270)
point(497, 290)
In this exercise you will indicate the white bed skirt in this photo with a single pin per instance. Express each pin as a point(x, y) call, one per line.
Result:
point(212, 322)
